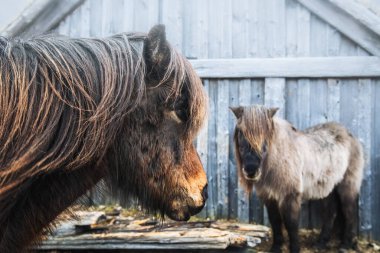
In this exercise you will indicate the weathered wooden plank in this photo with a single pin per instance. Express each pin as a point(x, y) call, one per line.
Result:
point(360, 13)
point(333, 85)
point(363, 126)
point(115, 16)
point(107, 27)
point(173, 19)
point(333, 100)
point(375, 158)
point(202, 28)
point(212, 160)
point(243, 198)
point(303, 85)
point(129, 15)
point(149, 9)
point(233, 175)
point(347, 25)
point(41, 17)
point(239, 29)
point(276, 28)
point(291, 28)
point(196, 238)
point(85, 19)
point(75, 26)
point(252, 28)
point(222, 148)
point(302, 67)
point(275, 94)
point(64, 26)
point(145, 235)
point(303, 31)
point(190, 29)
point(215, 20)
point(95, 17)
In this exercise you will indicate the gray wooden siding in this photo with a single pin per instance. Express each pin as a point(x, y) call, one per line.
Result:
point(253, 29)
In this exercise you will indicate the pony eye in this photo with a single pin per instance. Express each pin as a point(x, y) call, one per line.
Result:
point(181, 114)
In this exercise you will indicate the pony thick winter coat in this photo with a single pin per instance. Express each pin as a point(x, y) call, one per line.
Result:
point(287, 166)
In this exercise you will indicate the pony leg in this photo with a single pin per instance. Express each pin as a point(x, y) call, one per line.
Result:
point(41, 203)
point(276, 224)
point(290, 210)
point(329, 207)
point(349, 202)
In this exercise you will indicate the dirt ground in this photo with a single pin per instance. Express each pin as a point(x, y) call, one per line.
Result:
point(309, 237)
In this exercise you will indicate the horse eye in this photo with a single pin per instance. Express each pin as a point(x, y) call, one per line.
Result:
point(181, 114)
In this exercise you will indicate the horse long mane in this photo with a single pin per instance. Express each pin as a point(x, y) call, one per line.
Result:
point(63, 101)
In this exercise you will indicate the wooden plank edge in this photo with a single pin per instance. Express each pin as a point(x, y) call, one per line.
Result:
point(40, 17)
point(301, 67)
point(360, 13)
point(345, 24)
point(26, 17)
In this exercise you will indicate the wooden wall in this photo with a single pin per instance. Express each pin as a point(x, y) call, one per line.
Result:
point(254, 29)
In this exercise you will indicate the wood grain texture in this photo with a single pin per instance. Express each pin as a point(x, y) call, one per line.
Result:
point(361, 13)
point(40, 17)
point(301, 67)
point(347, 25)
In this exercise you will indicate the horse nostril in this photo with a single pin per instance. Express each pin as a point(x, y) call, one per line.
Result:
point(249, 173)
point(205, 193)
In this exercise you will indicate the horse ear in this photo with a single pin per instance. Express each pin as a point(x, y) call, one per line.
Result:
point(272, 111)
point(156, 48)
point(238, 111)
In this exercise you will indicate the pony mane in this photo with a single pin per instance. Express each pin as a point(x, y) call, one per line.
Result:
point(257, 126)
point(63, 101)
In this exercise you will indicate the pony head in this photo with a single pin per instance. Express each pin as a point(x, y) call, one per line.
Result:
point(161, 166)
point(253, 133)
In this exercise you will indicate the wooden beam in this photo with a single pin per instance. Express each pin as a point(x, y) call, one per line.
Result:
point(345, 23)
point(40, 17)
point(360, 13)
point(307, 67)
point(190, 239)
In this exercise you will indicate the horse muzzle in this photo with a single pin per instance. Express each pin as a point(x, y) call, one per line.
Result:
point(182, 212)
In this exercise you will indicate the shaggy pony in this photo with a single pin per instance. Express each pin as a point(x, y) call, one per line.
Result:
point(73, 111)
point(287, 166)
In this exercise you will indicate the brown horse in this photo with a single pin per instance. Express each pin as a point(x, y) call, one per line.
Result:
point(287, 166)
point(73, 111)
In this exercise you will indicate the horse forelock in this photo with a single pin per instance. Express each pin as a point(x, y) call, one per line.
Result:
point(183, 76)
point(257, 126)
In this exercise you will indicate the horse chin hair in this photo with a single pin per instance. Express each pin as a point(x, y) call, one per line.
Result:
point(255, 178)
